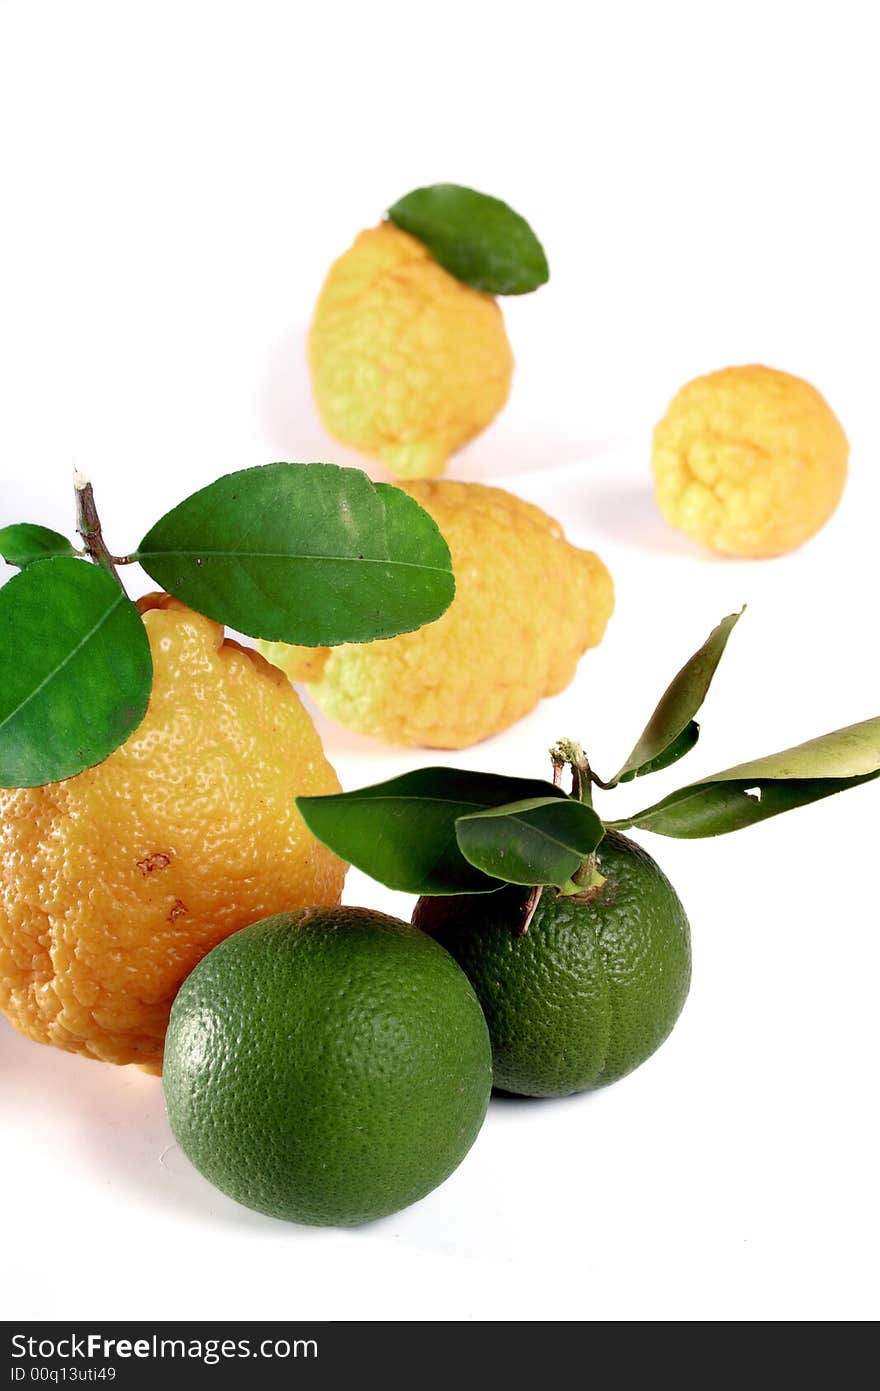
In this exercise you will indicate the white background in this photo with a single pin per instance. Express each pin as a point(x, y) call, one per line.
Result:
point(176, 178)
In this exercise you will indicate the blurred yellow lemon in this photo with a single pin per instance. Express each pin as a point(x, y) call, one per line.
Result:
point(527, 606)
point(749, 461)
point(407, 362)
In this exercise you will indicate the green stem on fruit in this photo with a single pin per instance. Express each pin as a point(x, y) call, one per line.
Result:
point(589, 876)
point(585, 883)
point(88, 524)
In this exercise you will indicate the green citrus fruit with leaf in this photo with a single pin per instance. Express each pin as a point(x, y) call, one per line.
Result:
point(575, 941)
point(590, 990)
point(327, 1066)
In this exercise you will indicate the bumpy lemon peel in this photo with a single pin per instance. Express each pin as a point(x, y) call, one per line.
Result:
point(115, 883)
point(527, 606)
point(749, 460)
point(407, 363)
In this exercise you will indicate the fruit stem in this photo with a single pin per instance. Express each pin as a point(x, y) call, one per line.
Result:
point(569, 751)
point(589, 876)
point(530, 908)
point(88, 524)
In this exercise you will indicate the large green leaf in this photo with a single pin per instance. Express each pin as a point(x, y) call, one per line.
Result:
point(542, 840)
point(25, 542)
point(478, 239)
point(403, 832)
point(671, 731)
point(303, 553)
point(752, 792)
point(76, 671)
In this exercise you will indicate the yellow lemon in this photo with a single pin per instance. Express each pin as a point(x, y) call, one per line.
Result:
point(407, 362)
point(749, 461)
point(115, 883)
point(527, 606)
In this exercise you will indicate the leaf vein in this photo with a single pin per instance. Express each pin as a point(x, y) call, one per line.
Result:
point(50, 676)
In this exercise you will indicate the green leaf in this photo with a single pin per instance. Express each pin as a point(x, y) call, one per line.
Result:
point(541, 840)
point(670, 732)
point(671, 754)
point(478, 239)
point(303, 553)
point(24, 542)
point(403, 832)
point(752, 792)
point(76, 671)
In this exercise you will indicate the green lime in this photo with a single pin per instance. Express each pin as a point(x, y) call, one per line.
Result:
point(328, 1066)
point(591, 990)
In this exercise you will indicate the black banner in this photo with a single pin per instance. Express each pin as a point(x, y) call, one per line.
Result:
point(131, 1356)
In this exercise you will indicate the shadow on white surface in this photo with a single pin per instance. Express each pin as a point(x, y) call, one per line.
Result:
point(111, 1122)
point(626, 514)
point(510, 446)
point(502, 1099)
point(513, 446)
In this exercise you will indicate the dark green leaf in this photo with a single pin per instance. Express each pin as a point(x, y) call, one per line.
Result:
point(25, 541)
point(478, 239)
point(76, 671)
point(303, 553)
point(671, 754)
point(541, 840)
point(670, 721)
point(751, 792)
point(402, 832)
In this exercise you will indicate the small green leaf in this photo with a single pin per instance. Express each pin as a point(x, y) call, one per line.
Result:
point(76, 671)
point(752, 792)
point(403, 832)
point(671, 754)
point(24, 542)
point(478, 239)
point(310, 554)
point(668, 734)
point(541, 840)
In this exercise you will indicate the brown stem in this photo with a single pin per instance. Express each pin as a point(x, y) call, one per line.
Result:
point(568, 751)
point(530, 909)
point(88, 524)
point(577, 783)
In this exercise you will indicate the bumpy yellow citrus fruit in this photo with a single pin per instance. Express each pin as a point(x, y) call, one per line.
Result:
point(115, 883)
point(527, 605)
point(750, 461)
point(407, 362)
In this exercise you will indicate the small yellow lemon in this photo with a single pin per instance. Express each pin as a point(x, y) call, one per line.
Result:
point(749, 460)
point(115, 883)
point(527, 605)
point(407, 362)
